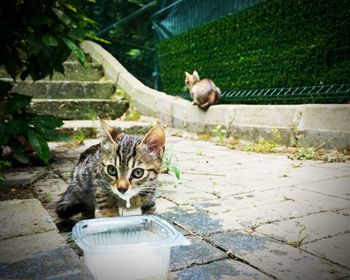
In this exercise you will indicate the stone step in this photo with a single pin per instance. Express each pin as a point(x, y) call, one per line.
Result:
point(80, 109)
point(66, 89)
point(90, 127)
point(73, 71)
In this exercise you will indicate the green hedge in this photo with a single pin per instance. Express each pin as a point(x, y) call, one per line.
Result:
point(276, 43)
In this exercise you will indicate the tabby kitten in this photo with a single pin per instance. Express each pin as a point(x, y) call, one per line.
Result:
point(119, 173)
point(203, 92)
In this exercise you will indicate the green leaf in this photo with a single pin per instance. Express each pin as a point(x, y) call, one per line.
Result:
point(77, 51)
point(19, 153)
point(176, 171)
point(2, 177)
point(3, 134)
point(18, 125)
point(39, 145)
point(17, 102)
point(54, 135)
point(49, 40)
point(62, 16)
point(5, 87)
point(94, 37)
point(45, 122)
point(70, 7)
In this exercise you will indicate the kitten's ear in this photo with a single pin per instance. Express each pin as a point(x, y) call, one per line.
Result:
point(188, 75)
point(155, 140)
point(195, 75)
point(108, 133)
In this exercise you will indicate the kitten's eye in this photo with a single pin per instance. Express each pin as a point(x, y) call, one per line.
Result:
point(137, 173)
point(111, 170)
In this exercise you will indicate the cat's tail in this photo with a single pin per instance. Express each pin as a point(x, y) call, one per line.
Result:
point(69, 205)
point(213, 98)
point(65, 210)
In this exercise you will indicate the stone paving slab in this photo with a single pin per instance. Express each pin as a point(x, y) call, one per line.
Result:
point(24, 247)
point(319, 201)
point(49, 192)
point(334, 248)
point(182, 195)
point(223, 269)
point(253, 217)
point(338, 187)
point(309, 228)
point(194, 220)
point(56, 264)
point(31, 247)
point(23, 217)
point(22, 178)
point(199, 252)
point(278, 259)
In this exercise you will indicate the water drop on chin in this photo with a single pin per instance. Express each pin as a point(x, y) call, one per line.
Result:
point(128, 203)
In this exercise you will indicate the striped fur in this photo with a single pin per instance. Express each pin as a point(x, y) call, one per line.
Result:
point(94, 187)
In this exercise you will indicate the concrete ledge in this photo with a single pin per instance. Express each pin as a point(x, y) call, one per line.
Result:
point(309, 125)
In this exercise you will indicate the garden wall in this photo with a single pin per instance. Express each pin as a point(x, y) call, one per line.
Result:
point(308, 125)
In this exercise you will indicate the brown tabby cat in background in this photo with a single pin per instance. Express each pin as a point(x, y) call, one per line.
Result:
point(203, 92)
point(119, 173)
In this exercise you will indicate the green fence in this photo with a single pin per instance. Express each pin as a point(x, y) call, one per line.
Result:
point(274, 51)
point(176, 17)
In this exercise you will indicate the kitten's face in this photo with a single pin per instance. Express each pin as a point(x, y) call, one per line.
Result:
point(130, 164)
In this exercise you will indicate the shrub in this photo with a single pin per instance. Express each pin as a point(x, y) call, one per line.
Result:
point(276, 43)
point(37, 37)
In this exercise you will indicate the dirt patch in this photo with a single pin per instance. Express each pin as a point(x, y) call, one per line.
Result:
point(21, 192)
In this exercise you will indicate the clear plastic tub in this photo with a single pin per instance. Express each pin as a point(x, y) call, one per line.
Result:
point(135, 247)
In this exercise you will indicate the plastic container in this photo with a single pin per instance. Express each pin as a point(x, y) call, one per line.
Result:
point(135, 247)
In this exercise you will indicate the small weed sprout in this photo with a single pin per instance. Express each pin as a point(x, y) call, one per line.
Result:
point(305, 153)
point(3, 163)
point(78, 138)
point(263, 145)
point(297, 164)
point(285, 198)
point(48, 197)
point(91, 113)
point(276, 135)
point(169, 163)
point(285, 173)
point(301, 237)
point(204, 136)
point(131, 114)
point(219, 134)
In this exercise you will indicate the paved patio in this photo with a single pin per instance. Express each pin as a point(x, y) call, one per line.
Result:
point(248, 216)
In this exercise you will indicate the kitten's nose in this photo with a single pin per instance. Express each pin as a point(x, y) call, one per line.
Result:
point(122, 190)
point(122, 186)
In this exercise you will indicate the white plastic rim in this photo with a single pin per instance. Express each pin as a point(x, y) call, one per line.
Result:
point(82, 230)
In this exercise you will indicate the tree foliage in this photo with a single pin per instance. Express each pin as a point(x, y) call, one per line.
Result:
point(37, 37)
point(132, 38)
